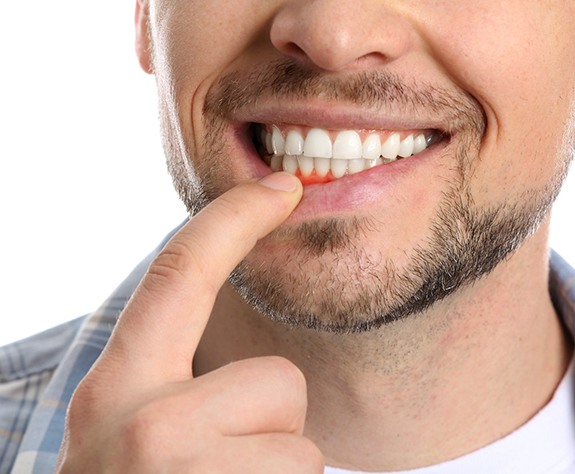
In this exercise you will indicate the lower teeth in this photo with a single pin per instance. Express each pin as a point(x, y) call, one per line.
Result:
point(321, 167)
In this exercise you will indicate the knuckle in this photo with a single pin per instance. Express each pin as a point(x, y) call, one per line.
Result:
point(277, 370)
point(142, 436)
point(289, 373)
point(173, 262)
point(156, 433)
point(312, 455)
point(94, 399)
point(86, 402)
point(175, 267)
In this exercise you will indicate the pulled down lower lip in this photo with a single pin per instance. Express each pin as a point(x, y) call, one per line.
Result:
point(399, 181)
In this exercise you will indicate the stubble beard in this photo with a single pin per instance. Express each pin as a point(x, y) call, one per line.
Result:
point(327, 280)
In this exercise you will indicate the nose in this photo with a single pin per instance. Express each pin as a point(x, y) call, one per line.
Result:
point(335, 35)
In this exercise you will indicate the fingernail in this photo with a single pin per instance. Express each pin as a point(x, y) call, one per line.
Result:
point(280, 181)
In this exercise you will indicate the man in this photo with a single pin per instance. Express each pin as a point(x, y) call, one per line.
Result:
point(397, 316)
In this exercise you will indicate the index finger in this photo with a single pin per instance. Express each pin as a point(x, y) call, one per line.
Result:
point(161, 326)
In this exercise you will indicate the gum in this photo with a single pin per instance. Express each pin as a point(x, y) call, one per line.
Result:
point(313, 178)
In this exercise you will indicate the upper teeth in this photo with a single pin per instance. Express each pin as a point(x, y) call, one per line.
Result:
point(346, 154)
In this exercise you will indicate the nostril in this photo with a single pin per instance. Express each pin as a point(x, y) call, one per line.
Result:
point(295, 51)
point(371, 60)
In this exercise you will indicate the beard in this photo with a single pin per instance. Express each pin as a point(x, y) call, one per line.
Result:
point(325, 278)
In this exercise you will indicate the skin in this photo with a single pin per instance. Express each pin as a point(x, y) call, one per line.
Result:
point(485, 356)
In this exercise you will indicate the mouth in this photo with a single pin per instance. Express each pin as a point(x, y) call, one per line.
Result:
point(317, 155)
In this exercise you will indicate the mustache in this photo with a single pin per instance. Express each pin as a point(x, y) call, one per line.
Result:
point(378, 90)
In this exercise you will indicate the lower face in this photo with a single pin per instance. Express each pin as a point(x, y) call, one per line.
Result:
point(365, 247)
point(371, 247)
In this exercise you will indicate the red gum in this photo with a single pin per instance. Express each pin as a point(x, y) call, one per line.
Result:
point(314, 178)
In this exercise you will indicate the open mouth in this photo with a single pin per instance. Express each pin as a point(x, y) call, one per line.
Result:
point(318, 155)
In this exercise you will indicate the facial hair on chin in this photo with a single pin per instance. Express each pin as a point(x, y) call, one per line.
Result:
point(465, 243)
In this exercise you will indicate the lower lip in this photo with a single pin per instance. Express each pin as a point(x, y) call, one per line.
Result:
point(351, 193)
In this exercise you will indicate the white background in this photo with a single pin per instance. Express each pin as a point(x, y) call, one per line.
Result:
point(84, 193)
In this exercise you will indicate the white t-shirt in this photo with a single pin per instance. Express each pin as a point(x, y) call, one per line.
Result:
point(544, 445)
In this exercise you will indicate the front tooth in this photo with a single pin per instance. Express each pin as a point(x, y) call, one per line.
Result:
point(278, 142)
point(390, 149)
point(294, 143)
point(420, 144)
point(406, 147)
point(355, 166)
point(372, 147)
point(305, 165)
point(317, 144)
point(322, 166)
point(290, 164)
point(347, 146)
point(338, 168)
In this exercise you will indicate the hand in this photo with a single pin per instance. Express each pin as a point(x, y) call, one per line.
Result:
point(141, 410)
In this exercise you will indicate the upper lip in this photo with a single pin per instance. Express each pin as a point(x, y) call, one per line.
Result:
point(341, 117)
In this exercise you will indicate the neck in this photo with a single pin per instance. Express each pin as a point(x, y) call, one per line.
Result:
point(487, 359)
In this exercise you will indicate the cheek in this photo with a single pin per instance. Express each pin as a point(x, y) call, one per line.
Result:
point(524, 145)
point(203, 38)
point(195, 43)
point(518, 64)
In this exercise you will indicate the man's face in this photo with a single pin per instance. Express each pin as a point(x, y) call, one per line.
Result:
point(479, 93)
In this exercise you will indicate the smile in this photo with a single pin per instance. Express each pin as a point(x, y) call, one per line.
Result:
point(318, 155)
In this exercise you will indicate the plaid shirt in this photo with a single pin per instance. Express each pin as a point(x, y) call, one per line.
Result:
point(38, 375)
